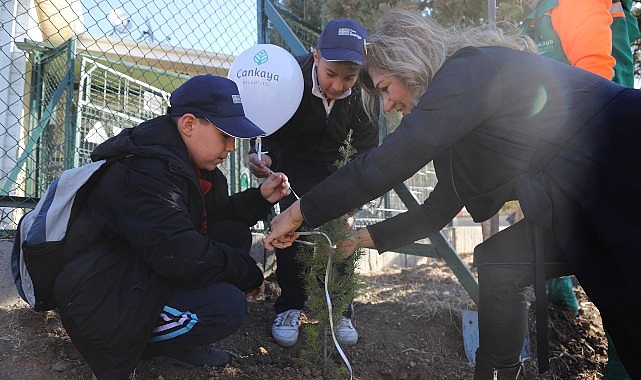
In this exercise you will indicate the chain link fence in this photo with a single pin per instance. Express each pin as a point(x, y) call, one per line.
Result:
point(74, 73)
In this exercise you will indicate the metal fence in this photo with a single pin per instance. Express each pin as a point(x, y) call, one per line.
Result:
point(74, 73)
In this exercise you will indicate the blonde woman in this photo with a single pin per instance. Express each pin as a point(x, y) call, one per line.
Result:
point(500, 123)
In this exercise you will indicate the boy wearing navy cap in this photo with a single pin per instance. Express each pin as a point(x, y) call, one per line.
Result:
point(307, 147)
point(158, 258)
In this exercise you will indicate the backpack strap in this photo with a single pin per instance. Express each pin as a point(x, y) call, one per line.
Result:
point(37, 255)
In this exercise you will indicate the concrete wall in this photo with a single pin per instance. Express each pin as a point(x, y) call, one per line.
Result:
point(17, 25)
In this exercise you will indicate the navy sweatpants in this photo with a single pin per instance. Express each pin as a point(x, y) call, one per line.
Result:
point(197, 317)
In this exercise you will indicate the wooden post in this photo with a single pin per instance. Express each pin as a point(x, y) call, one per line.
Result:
point(490, 227)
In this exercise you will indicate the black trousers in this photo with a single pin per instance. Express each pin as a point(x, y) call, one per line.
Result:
point(505, 270)
point(289, 272)
point(303, 175)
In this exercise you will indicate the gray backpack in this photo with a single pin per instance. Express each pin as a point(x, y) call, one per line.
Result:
point(37, 256)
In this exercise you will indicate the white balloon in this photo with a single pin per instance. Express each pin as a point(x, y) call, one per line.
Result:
point(270, 83)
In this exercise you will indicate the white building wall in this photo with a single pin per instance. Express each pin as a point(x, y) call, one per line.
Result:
point(19, 22)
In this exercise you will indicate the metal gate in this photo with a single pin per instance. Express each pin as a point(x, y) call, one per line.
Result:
point(108, 102)
point(62, 133)
point(49, 131)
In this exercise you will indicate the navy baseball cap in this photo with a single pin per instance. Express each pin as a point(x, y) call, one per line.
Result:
point(216, 99)
point(343, 40)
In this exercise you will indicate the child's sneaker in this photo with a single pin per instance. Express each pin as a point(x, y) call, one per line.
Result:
point(285, 327)
point(346, 334)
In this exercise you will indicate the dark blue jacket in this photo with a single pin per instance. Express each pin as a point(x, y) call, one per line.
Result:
point(307, 146)
point(138, 237)
point(311, 134)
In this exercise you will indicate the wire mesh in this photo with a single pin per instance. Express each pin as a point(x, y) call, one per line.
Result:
point(110, 101)
point(306, 33)
point(74, 73)
point(126, 58)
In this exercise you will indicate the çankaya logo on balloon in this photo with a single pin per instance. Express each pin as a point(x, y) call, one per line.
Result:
point(270, 83)
point(256, 73)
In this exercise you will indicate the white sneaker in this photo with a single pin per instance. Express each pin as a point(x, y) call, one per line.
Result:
point(285, 327)
point(346, 334)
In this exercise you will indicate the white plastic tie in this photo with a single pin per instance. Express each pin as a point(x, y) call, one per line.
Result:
point(258, 145)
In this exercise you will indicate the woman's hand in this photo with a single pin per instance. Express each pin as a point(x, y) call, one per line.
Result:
point(283, 227)
point(275, 187)
point(358, 239)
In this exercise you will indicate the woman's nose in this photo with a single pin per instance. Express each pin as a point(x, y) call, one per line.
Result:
point(388, 105)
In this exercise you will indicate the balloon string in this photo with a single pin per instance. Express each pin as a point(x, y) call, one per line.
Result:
point(258, 145)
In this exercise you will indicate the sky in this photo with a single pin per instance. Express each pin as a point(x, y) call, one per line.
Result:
point(222, 26)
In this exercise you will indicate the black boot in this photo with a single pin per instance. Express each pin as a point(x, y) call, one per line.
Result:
point(485, 371)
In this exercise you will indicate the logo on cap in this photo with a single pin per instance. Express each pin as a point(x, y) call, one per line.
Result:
point(235, 99)
point(348, 32)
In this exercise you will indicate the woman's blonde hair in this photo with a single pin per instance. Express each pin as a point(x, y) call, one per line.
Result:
point(412, 47)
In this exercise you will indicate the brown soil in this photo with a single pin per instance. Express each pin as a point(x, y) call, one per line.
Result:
point(409, 321)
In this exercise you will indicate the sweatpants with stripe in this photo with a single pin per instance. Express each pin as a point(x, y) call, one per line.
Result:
point(196, 317)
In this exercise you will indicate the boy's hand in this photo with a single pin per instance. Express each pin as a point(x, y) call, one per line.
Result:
point(256, 292)
point(275, 187)
point(260, 168)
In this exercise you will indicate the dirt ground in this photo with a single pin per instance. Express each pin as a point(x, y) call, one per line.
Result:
point(409, 321)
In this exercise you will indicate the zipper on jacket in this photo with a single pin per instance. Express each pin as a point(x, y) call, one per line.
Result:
point(196, 185)
point(452, 175)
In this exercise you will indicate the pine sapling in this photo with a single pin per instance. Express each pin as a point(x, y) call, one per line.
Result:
point(320, 262)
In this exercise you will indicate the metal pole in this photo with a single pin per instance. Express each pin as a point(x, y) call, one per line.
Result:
point(491, 11)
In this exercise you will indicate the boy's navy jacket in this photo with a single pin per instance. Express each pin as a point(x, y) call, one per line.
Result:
point(138, 237)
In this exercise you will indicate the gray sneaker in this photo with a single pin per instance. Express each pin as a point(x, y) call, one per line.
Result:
point(346, 334)
point(285, 327)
